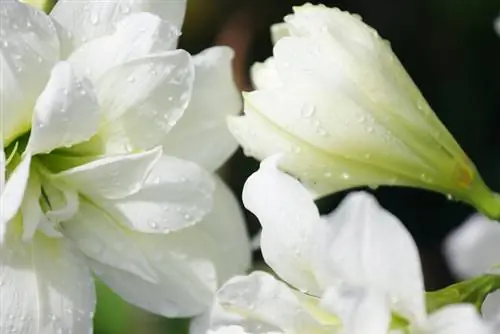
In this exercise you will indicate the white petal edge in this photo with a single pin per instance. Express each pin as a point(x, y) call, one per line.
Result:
point(12, 194)
point(175, 194)
point(457, 319)
point(263, 303)
point(369, 247)
point(92, 19)
point(136, 36)
point(111, 177)
point(201, 135)
point(66, 113)
point(143, 99)
point(472, 248)
point(290, 224)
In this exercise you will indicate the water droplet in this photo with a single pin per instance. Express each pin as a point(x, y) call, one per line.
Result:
point(307, 110)
point(449, 197)
point(94, 18)
point(328, 174)
point(345, 176)
point(420, 104)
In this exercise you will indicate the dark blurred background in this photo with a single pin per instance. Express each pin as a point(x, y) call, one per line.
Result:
point(452, 52)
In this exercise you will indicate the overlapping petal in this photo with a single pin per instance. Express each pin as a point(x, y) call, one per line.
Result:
point(11, 196)
point(175, 194)
point(46, 286)
point(28, 49)
point(174, 274)
point(92, 19)
point(267, 305)
point(367, 246)
point(111, 177)
point(143, 99)
point(201, 135)
point(65, 113)
point(136, 36)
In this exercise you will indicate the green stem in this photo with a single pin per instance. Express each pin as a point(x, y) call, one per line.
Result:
point(484, 200)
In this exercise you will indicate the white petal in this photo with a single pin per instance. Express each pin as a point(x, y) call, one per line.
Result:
point(175, 194)
point(91, 19)
point(143, 99)
point(201, 135)
point(137, 36)
point(225, 227)
point(369, 247)
point(361, 310)
point(278, 31)
point(457, 319)
point(11, 196)
point(265, 76)
point(491, 308)
point(28, 49)
point(46, 287)
point(472, 249)
point(290, 224)
point(66, 113)
point(265, 304)
point(171, 274)
point(31, 212)
point(111, 177)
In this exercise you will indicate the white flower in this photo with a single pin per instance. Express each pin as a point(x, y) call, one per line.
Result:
point(94, 176)
point(474, 249)
point(349, 270)
point(340, 106)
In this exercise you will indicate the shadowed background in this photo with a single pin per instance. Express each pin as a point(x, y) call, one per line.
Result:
point(450, 49)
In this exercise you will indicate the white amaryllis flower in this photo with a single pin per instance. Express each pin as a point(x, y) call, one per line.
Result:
point(348, 271)
point(94, 176)
point(473, 249)
point(338, 103)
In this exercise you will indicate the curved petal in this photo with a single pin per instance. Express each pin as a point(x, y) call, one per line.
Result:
point(31, 211)
point(143, 99)
point(137, 36)
point(264, 75)
point(457, 319)
point(472, 249)
point(111, 177)
point(175, 194)
point(28, 49)
point(264, 305)
point(66, 113)
point(290, 224)
point(46, 286)
point(369, 247)
point(225, 227)
point(201, 135)
point(11, 196)
point(170, 274)
point(491, 308)
point(361, 310)
point(94, 18)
